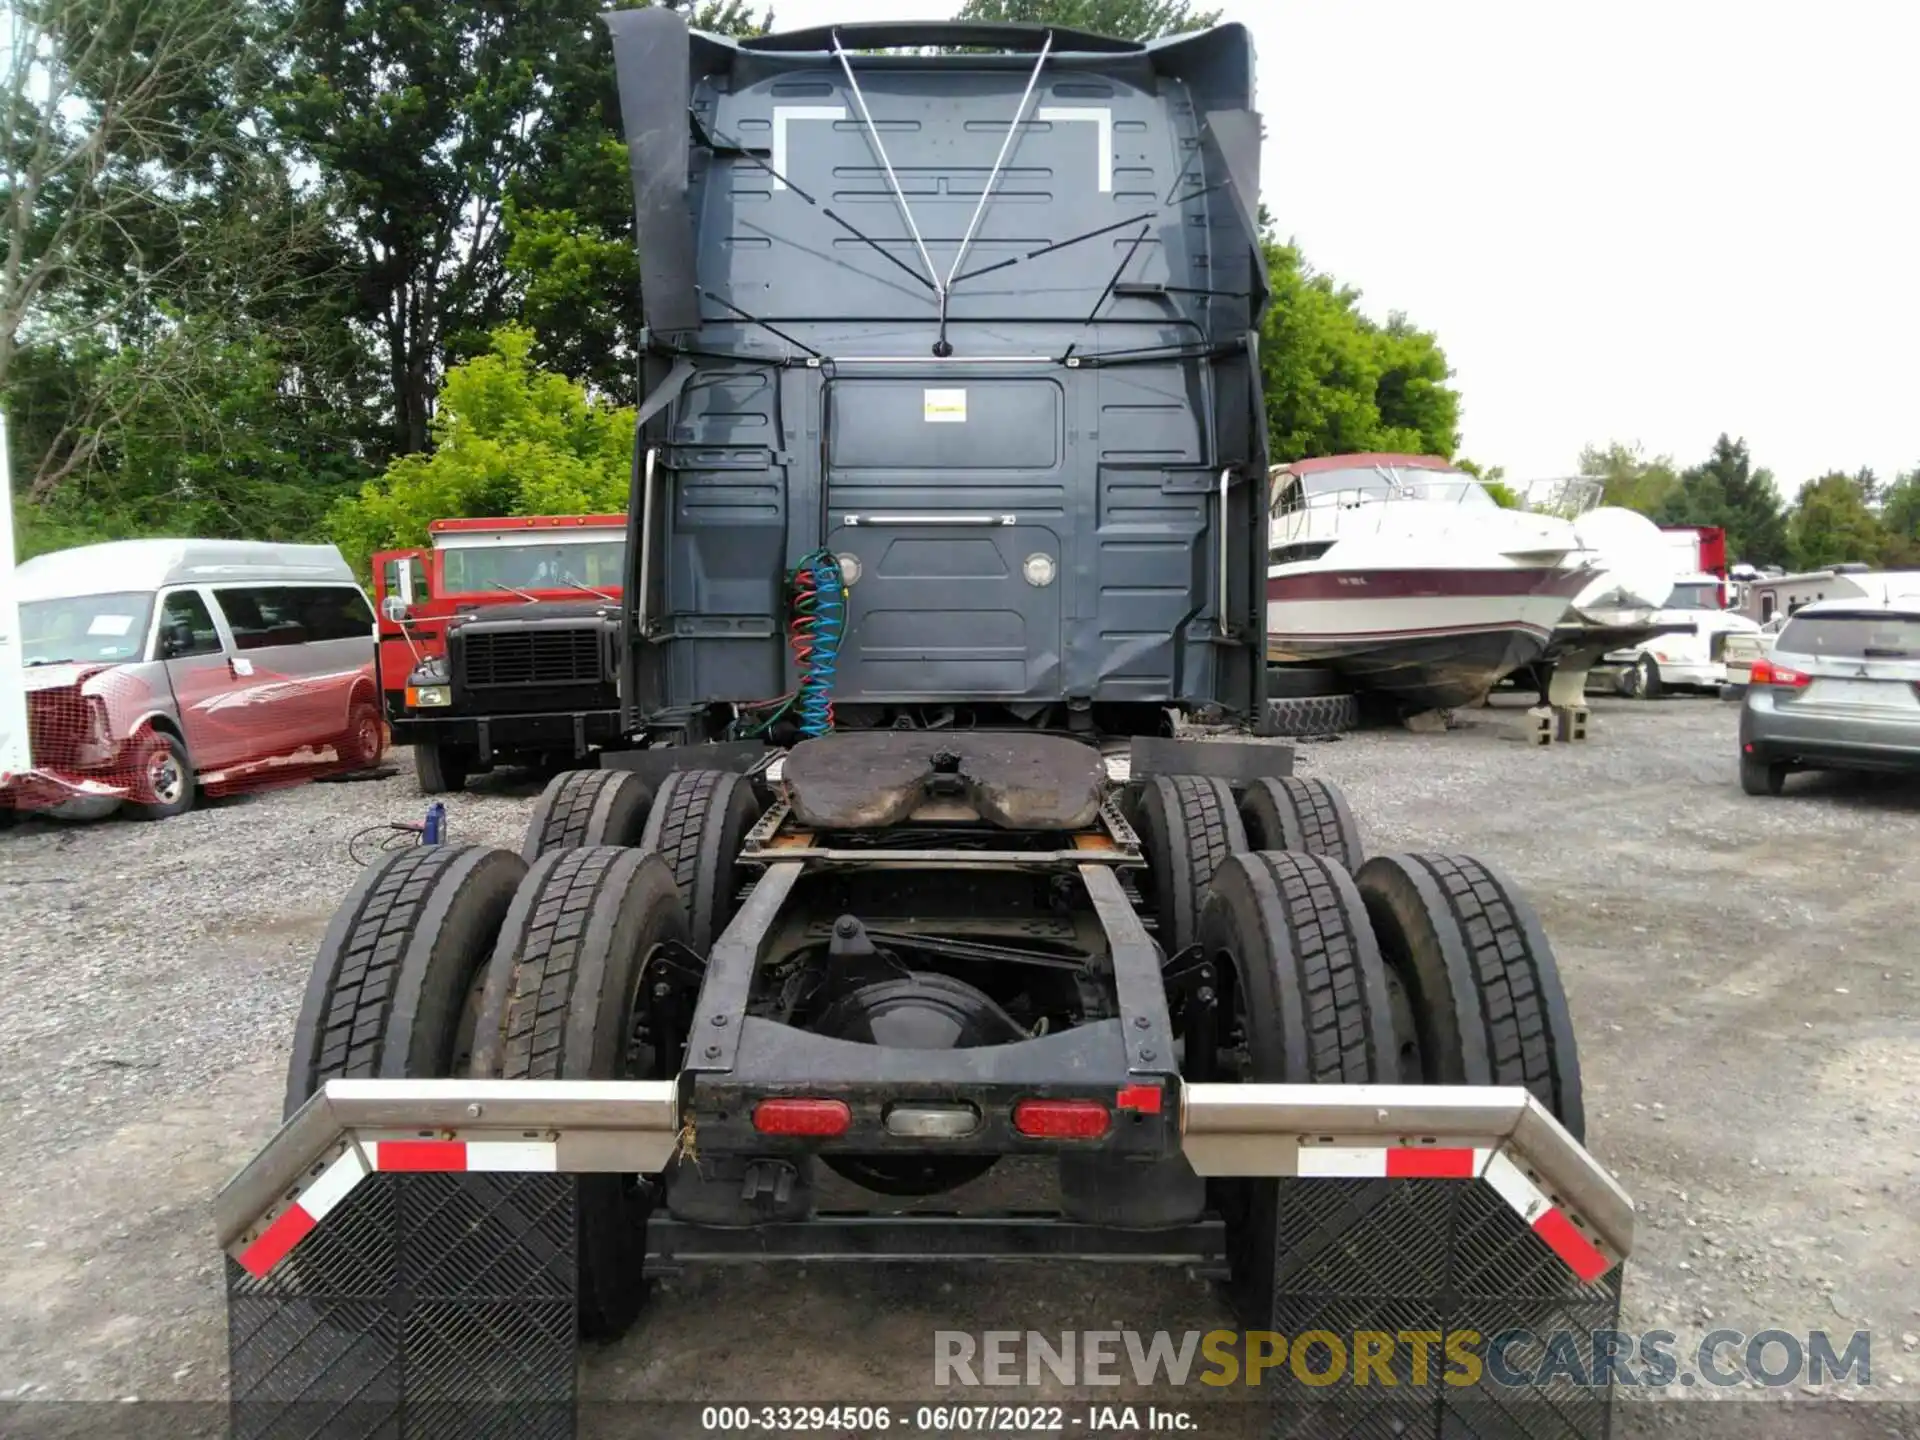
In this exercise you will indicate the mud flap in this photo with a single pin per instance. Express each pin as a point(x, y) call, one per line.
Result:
point(1431, 1308)
point(425, 1304)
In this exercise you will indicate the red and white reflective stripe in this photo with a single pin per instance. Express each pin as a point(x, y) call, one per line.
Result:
point(1434, 1162)
point(1391, 1162)
point(1546, 1219)
point(298, 1220)
point(466, 1155)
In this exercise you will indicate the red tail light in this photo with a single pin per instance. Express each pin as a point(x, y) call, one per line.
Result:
point(1061, 1119)
point(802, 1117)
point(1781, 677)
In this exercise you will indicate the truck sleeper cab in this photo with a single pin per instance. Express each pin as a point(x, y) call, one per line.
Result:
point(158, 669)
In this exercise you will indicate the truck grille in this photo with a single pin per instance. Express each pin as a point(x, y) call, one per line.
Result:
point(531, 657)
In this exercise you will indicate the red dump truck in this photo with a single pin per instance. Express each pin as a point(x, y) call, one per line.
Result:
point(497, 643)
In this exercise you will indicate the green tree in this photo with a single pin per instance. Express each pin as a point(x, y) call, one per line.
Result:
point(1831, 524)
point(1727, 491)
point(1336, 382)
point(573, 275)
point(509, 439)
point(1630, 479)
point(210, 435)
point(1126, 19)
point(1900, 522)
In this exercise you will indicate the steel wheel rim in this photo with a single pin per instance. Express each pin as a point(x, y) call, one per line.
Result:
point(164, 777)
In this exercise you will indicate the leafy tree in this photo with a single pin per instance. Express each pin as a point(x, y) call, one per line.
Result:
point(509, 439)
point(1336, 382)
point(1629, 479)
point(113, 135)
point(211, 436)
point(570, 261)
point(1126, 19)
point(1832, 525)
point(1727, 491)
point(1900, 522)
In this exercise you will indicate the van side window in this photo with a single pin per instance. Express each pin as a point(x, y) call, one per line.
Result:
point(261, 616)
point(333, 612)
point(186, 627)
point(265, 615)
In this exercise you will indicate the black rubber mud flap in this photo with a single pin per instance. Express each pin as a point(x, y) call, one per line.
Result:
point(588, 807)
point(1307, 816)
point(699, 824)
point(1481, 979)
point(1310, 994)
point(560, 1003)
point(390, 993)
point(1188, 827)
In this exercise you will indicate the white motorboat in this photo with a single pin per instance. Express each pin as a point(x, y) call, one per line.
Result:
point(1407, 576)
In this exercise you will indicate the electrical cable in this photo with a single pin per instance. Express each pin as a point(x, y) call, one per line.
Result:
point(819, 621)
point(398, 833)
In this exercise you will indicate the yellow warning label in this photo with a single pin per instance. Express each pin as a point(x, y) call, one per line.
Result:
point(949, 406)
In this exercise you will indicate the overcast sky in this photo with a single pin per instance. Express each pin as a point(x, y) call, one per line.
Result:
point(1645, 220)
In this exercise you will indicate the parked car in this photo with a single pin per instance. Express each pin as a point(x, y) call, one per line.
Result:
point(1840, 690)
point(1692, 658)
point(158, 669)
point(1742, 649)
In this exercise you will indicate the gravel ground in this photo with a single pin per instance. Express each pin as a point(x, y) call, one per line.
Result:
point(1742, 973)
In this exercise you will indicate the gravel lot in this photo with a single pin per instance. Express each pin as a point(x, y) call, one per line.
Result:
point(1742, 973)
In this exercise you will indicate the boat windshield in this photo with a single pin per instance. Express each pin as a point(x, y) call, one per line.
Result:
point(1370, 482)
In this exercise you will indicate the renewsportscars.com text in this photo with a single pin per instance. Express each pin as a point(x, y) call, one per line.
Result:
point(1652, 1359)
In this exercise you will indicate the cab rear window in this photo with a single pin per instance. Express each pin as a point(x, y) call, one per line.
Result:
point(1853, 636)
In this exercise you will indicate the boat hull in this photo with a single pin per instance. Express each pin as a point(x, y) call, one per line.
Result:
point(1429, 638)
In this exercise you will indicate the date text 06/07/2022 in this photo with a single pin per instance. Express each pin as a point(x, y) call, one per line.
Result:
point(984, 1420)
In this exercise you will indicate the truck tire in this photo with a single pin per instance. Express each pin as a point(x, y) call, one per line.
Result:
point(561, 1002)
point(1481, 980)
point(1309, 990)
point(699, 823)
point(1188, 827)
point(442, 768)
point(588, 807)
point(1303, 682)
point(1315, 715)
point(1309, 817)
point(393, 990)
point(162, 783)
